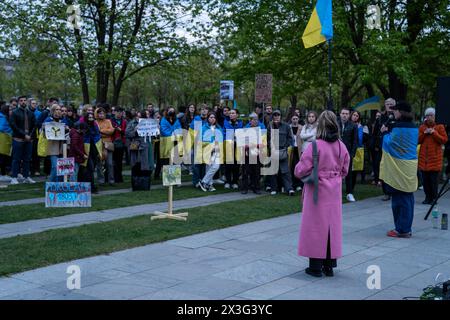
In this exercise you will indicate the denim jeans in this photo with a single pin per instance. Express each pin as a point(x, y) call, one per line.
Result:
point(53, 173)
point(74, 177)
point(199, 172)
point(21, 151)
point(402, 209)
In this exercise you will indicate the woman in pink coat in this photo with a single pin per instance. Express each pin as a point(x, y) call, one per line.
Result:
point(321, 227)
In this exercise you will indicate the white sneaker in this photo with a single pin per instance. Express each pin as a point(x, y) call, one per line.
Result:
point(235, 186)
point(219, 181)
point(227, 186)
point(203, 187)
point(421, 188)
point(273, 193)
point(5, 179)
point(268, 189)
point(350, 198)
point(20, 176)
point(29, 180)
point(298, 189)
point(197, 185)
point(14, 181)
point(211, 188)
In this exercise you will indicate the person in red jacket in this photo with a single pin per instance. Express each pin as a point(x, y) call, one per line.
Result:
point(76, 149)
point(432, 137)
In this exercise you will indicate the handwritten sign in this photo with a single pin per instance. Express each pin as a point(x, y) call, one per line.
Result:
point(65, 166)
point(55, 131)
point(263, 88)
point(171, 175)
point(148, 128)
point(67, 194)
point(227, 90)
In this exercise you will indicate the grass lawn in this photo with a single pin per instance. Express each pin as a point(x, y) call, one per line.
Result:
point(54, 246)
point(29, 191)
point(11, 214)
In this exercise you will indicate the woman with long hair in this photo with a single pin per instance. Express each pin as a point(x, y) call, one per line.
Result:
point(321, 227)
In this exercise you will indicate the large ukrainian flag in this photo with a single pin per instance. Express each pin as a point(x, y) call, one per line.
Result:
point(398, 166)
point(320, 26)
point(369, 104)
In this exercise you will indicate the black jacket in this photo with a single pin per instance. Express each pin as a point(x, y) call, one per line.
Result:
point(349, 136)
point(17, 122)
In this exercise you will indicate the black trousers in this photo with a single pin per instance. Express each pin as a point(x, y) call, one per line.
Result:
point(430, 184)
point(296, 182)
point(349, 186)
point(251, 176)
point(35, 159)
point(157, 157)
point(5, 161)
point(317, 264)
point(376, 160)
point(118, 164)
point(232, 173)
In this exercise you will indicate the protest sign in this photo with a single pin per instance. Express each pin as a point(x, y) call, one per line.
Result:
point(67, 194)
point(171, 175)
point(55, 130)
point(65, 166)
point(226, 90)
point(263, 88)
point(148, 128)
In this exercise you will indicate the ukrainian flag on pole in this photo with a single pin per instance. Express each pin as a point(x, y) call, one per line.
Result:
point(320, 26)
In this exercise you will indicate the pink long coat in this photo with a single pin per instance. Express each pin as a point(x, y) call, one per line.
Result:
point(325, 216)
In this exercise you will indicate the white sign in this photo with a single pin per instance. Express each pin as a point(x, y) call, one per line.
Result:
point(55, 130)
point(226, 90)
point(148, 128)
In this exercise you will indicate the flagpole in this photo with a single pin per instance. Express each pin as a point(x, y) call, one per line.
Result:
point(330, 97)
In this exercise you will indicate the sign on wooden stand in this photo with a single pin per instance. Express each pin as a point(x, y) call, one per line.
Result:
point(171, 176)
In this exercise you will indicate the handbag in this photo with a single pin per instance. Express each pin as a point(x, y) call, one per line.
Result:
point(313, 178)
point(108, 145)
point(134, 145)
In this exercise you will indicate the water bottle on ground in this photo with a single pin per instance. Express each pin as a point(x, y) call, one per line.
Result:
point(435, 218)
point(444, 221)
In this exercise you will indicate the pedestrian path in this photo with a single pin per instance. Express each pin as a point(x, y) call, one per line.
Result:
point(256, 260)
point(73, 220)
point(100, 193)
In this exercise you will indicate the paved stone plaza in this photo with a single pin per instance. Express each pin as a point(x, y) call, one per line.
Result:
point(256, 261)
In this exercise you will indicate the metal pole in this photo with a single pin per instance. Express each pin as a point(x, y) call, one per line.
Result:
point(330, 97)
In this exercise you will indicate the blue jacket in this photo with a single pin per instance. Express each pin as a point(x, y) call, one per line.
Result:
point(228, 126)
point(197, 118)
point(209, 137)
point(260, 125)
point(4, 124)
point(168, 129)
point(360, 137)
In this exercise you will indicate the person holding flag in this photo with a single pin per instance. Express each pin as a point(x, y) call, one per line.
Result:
point(398, 168)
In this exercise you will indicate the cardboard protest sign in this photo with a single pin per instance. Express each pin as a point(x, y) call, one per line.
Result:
point(55, 130)
point(263, 88)
point(67, 194)
point(171, 175)
point(227, 90)
point(65, 166)
point(148, 128)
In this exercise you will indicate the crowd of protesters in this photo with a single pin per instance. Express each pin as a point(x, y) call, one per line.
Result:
point(101, 138)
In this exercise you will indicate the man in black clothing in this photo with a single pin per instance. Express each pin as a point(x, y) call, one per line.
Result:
point(387, 120)
point(23, 124)
point(349, 136)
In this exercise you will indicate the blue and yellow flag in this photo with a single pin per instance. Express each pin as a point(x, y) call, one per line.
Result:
point(369, 104)
point(398, 166)
point(320, 26)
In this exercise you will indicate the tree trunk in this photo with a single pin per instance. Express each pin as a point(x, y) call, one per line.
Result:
point(82, 67)
point(397, 88)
